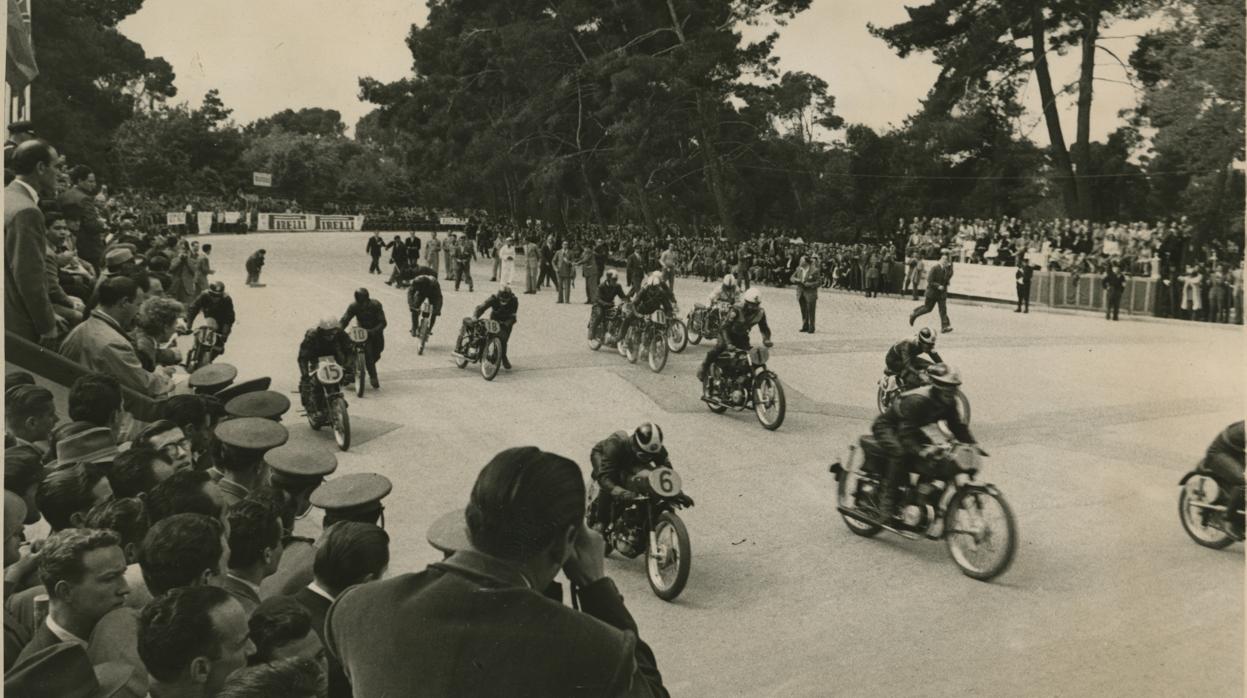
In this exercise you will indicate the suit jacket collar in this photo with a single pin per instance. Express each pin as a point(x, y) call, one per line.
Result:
point(474, 563)
point(19, 185)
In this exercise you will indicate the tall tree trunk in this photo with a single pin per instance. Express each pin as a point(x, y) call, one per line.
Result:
point(580, 158)
point(714, 165)
point(1082, 142)
point(643, 201)
point(1052, 117)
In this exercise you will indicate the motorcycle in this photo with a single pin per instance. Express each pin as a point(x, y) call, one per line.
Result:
point(206, 346)
point(359, 346)
point(426, 322)
point(608, 331)
point(889, 389)
point(677, 331)
point(740, 380)
point(705, 321)
point(329, 378)
point(479, 340)
point(648, 335)
point(649, 524)
point(1203, 507)
point(943, 502)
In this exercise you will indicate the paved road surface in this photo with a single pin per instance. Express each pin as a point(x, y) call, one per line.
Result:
point(1089, 423)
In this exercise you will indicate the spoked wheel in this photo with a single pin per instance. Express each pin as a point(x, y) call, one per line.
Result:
point(341, 424)
point(694, 336)
point(980, 532)
point(677, 336)
point(1194, 520)
point(632, 345)
point(424, 334)
point(768, 400)
point(491, 358)
point(861, 528)
point(668, 565)
point(658, 352)
point(360, 374)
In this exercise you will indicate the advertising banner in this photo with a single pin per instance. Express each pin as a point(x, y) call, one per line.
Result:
point(175, 218)
point(205, 222)
point(980, 281)
point(451, 221)
point(332, 222)
point(232, 217)
point(262, 179)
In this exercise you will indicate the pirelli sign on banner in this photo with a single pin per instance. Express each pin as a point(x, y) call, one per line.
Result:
point(297, 222)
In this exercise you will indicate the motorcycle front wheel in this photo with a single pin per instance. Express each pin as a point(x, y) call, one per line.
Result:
point(980, 532)
point(768, 400)
point(677, 336)
point(360, 374)
point(694, 335)
point(658, 352)
point(1193, 523)
point(881, 399)
point(667, 567)
point(861, 528)
point(632, 345)
point(341, 424)
point(491, 358)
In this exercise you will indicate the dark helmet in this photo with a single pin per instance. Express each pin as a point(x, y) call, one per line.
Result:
point(216, 288)
point(647, 438)
point(361, 295)
point(926, 337)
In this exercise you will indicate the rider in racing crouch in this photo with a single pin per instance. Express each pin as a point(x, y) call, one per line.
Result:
point(326, 339)
point(726, 293)
point(216, 305)
point(615, 460)
point(424, 286)
point(608, 291)
point(905, 360)
point(1225, 458)
point(898, 431)
point(650, 296)
point(734, 332)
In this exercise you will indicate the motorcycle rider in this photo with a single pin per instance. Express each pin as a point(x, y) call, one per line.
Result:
point(734, 332)
point(369, 314)
point(503, 307)
point(1225, 459)
point(899, 434)
point(325, 339)
point(424, 286)
point(608, 291)
point(216, 305)
point(725, 293)
point(615, 460)
point(905, 359)
point(650, 296)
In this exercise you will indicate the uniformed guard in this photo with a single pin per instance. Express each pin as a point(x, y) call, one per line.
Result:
point(265, 404)
point(449, 533)
point(244, 441)
point(212, 378)
point(248, 386)
point(355, 497)
point(295, 472)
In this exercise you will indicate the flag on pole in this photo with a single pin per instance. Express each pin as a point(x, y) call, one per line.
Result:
point(20, 67)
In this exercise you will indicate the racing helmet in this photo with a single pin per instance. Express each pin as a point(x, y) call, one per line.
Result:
point(361, 295)
point(327, 323)
point(752, 296)
point(926, 337)
point(729, 281)
point(609, 276)
point(944, 376)
point(216, 288)
point(652, 279)
point(647, 438)
point(504, 289)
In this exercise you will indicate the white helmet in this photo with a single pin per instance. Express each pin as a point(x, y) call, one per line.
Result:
point(329, 322)
point(752, 296)
point(647, 438)
point(653, 279)
point(729, 281)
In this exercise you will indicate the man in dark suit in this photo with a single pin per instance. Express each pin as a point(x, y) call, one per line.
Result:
point(1023, 274)
point(477, 623)
point(78, 202)
point(84, 573)
point(937, 293)
point(1114, 283)
point(374, 247)
point(27, 307)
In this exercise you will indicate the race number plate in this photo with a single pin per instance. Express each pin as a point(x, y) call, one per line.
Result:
point(358, 334)
point(665, 482)
point(492, 326)
point(328, 371)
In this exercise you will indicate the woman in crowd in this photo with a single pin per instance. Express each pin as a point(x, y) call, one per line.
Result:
point(153, 328)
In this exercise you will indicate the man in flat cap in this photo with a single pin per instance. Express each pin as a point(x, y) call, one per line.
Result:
point(477, 622)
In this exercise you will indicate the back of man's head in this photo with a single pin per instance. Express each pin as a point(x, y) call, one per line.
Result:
point(125, 517)
point(133, 473)
point(66, 494)
point(29, 155)
point(116, 289)
point(182, 550)
point(61, 559)
point(254, 527)
point(523, 500)
point(350, 553)
point(78, 173)
point(182, 493)
point(296, 677)
point(176, 628)
point(95, 398)
point(24, 402)
point(276, 622)
point(185, 411)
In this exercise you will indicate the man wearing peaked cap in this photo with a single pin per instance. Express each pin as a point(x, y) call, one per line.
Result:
point(95, 445)
point(244, 442)
point(296, 472)
point(212, 378)
point(265, 404)
point(354, 497)
point(249, 386)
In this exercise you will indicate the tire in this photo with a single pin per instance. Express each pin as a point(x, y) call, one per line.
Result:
point(632, 345)
point(341, 423)
point(493, 348)
point(957, 542)
point(424, 334)
point(658, 352)
point(1209, 537)
point(963, 408)
point(881, 401)
point(461, 362)
point(668, 580)
point(694, 336)
point(361, 369)
point(861, 528)
point(311, 422)
point(677, 336)
point(780, 406)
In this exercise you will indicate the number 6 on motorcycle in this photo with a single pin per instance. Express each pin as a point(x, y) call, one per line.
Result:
point(665, 482)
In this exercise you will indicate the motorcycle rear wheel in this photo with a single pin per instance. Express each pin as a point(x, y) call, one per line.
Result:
point(677, 336)
point(965, 545)
point(360, 374)
point(770, 411)
point(632, 345)
point(1193, 523)
point(491, 358)
point(668, 575)
point(424, 334)
point(658, 352)
point(861, 528)
point(341, 424)
point(694, 336)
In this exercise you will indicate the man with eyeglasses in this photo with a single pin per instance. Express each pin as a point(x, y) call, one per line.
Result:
point(168, 439)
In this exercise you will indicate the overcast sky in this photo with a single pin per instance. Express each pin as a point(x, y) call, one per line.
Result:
point(269, 55)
